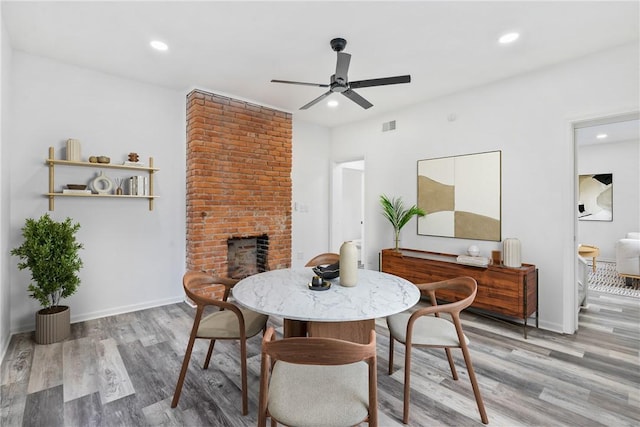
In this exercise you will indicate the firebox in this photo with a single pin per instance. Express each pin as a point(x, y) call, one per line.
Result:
point(247, 255)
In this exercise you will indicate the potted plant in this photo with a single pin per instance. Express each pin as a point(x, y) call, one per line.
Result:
point(393, 209)
point(50, 252)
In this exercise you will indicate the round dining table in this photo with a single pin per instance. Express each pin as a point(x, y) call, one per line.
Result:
point(337, 312)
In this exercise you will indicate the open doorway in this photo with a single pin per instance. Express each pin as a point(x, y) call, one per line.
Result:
point(347, 206)
point(607, 198)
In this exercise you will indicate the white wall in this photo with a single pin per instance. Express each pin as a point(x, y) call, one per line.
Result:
point(622, 159)
point(5, 120)
point(133, 257)
point(529, 118)
point(310, 177)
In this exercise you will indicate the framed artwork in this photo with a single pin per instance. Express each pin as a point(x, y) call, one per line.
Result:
point(595, 197)
point(461, 196)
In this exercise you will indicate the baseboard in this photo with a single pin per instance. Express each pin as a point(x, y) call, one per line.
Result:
point(27, 327)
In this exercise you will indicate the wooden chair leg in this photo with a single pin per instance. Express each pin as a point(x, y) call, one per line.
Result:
point(474, 384)
point(187, 357)
point(451, 364)
point(243, 373)
point(407, 385)
point(391, 340)
point(209, 353)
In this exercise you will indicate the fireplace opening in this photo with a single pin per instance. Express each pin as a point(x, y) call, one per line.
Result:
point(247, 256)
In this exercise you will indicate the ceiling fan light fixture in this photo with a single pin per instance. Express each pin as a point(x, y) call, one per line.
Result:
point(339, 81)
point(332, 103)
point(509, 38)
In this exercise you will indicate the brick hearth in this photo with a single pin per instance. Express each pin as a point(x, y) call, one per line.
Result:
point(238, 179)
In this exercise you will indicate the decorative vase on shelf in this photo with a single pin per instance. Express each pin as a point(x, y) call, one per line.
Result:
point(348, 264)
point(73, 150)
point(102, 184)
point(511, 251)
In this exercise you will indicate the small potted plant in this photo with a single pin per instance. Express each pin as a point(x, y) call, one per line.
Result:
point(50, 252)
point(393, 209)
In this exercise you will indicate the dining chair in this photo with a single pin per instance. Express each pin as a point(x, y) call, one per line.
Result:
point(230, 322)
point(420, 328)
point(323, 259)
point(316, 381)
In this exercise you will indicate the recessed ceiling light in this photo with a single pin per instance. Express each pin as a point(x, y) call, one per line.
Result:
point(158, 45)
point(601, 135)
point(508, 38)
point(333, 103)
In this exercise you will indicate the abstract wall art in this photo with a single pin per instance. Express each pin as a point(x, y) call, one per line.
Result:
point(595, 197)
point(461, 196)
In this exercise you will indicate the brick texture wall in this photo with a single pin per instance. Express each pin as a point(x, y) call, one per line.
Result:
point(238, 179)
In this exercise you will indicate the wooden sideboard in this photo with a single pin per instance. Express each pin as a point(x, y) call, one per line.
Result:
point(504, 291)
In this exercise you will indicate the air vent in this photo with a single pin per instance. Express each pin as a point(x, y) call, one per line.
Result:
point(387, 126)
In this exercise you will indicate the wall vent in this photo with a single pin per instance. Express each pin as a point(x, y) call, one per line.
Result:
point(387, 126)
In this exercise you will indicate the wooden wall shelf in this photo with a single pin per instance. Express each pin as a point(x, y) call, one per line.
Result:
point(505, 291)
point(52, 194)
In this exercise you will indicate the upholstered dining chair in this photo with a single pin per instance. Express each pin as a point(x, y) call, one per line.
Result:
point(420, 328)
point(314, 381)
point(323, 259)
point(230, 322)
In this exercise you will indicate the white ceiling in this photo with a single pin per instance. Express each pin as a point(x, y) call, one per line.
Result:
point(618, 131)
point(236, 48)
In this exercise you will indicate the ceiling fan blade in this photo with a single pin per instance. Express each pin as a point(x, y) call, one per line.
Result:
point(380, 82)
point(357, 99)
point(299, 83)
point(315, 101)
point(342, 67)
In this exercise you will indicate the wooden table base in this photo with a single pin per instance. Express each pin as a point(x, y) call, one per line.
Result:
point(355, 331)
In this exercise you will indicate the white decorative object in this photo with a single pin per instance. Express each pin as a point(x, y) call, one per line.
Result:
point(348, 264)
point(73, 150)
point(102, 184)
point(511, 250)
point(473, 250)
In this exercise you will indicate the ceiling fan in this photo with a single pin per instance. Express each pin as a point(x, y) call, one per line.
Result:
point(340, 82)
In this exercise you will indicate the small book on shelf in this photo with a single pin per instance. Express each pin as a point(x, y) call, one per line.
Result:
point(68, 191)
point(128, 163)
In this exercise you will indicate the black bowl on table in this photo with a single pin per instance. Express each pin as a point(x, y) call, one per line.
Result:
point(327, 272)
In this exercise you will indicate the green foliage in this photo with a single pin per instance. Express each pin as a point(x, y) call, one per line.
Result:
point(50, 252)
point(393, 209)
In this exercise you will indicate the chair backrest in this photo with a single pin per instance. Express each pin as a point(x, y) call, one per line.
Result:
point(463, 289)
point(205, 289)
point(319, 351)
point(323, 259)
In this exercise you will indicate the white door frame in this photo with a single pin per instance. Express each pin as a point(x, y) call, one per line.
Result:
point(336, 194)
point(572, 303)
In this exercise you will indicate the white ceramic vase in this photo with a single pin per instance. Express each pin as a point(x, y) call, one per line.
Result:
point(511, 251)
point(348, 264)
point(102, 184)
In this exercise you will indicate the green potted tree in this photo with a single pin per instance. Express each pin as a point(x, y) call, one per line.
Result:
point(393, 209)
point(50, 252)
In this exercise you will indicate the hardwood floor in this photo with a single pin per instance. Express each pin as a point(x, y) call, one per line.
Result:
point(122, 370)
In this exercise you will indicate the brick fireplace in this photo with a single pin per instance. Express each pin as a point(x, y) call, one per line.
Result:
point(238, 180)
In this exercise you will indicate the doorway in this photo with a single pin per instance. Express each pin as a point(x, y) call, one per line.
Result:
point(347, 206)
point(606, 147)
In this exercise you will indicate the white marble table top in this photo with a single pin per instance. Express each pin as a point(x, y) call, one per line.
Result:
point(285, 293)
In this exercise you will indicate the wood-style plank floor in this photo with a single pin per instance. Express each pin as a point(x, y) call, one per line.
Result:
point(122, 370)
